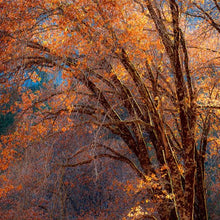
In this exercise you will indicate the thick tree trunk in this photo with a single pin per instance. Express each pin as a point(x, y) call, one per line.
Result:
point(200, 195)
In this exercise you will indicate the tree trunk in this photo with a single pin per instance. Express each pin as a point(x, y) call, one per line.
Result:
point(200, 198)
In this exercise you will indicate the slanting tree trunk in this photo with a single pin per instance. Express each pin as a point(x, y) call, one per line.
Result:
point(185, 204)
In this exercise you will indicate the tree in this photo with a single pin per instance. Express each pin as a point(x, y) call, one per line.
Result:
point(132, 67)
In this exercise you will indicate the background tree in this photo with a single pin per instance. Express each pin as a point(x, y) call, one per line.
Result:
point(135, 71)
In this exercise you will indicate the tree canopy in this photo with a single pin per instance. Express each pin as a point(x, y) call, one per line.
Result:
point(132, 81)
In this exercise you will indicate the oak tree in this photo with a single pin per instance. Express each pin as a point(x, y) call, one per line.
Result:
point(144, 72)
